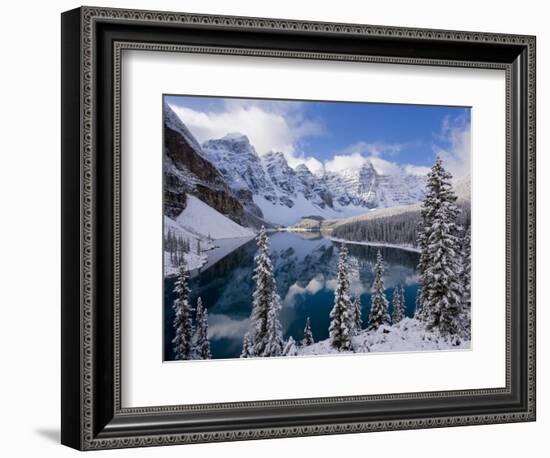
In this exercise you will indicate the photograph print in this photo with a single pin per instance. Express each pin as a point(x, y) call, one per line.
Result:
point(306, 228)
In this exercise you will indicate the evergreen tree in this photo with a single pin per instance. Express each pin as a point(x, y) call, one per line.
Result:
point(202, 350)
point(308, 334)
point(397, 229)
point(274, 336)
point(167, 245)
point(440, 259)
point(398, 304)
point(379, 304)
point(290, 348)
point(400, 229)
point(339, 330)
point(183, 325)
point(247, 351)
point(179, 248)
point(357, 314)
point(465, 312)
point(265, 335)
point(199, 247)
point(418, 304)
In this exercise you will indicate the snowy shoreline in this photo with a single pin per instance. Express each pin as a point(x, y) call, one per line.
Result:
point(409, 335)
point(198, 263)
point(375, 244)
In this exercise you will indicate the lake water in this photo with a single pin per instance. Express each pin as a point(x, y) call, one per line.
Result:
point(305, 267)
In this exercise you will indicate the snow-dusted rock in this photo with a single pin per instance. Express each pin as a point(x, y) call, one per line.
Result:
point(285, 194)
point(370, 188)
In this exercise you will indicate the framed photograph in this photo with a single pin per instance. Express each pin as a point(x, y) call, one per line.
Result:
point(276, 228)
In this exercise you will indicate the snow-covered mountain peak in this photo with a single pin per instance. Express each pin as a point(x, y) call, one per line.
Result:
point(303, 169)
point(173, 121)
point(231, 144)
point(368, 166)
point(270, 188)
point(239, 163)
point(275, 157)
point(237, 136)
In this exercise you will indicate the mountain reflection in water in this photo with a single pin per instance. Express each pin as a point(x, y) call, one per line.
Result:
point(305, 267)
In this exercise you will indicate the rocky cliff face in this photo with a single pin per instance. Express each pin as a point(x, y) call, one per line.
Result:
point(268, 178)
point(283, 194)
point(369, 188)
point(228, 174)
point(187, 170)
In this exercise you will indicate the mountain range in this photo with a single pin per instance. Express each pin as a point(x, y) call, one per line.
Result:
point(251, 189)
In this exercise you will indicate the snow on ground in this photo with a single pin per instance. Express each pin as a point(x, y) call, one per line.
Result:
point(281, 214)
point(202, 219)
point(186, 233)
point(192, 261)
point(218, 235)
point(407, 335)
point(212, 252)
point(380, 244)
point(288, 216)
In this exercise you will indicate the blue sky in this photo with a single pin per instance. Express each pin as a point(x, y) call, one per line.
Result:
point(336, 135)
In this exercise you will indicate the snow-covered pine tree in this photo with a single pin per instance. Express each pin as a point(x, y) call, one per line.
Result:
point(465, 309)
point(181, 253)
point(379, 303)
point(183, 325)
point(418, 303)
point(290, 347)
point(247, 347)
point(265, 333)
point(308, 334)
point(202, 349)
point(339, 330)
point(357, 314)
point(440, 259)
point(186, 246)
point(168, 245)
point(398, 304)
point(274, 337)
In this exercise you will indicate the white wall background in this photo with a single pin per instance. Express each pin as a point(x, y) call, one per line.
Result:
point(30, 241)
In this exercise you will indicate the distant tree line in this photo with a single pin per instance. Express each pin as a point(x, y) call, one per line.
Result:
point(399, 229)
point(176, 246)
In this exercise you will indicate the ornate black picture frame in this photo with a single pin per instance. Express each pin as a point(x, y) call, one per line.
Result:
point(92, 42)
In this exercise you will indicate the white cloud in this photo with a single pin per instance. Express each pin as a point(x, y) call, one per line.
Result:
point(384, 167)
point(375, 148)
point(315, 166)
point(416, 170)
point(280, 126)
point(455, 135)
point(453, 145)
point(353, 162)
point(269, 126)
point(343, 162)
point(316, 284)
point(220, 326)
